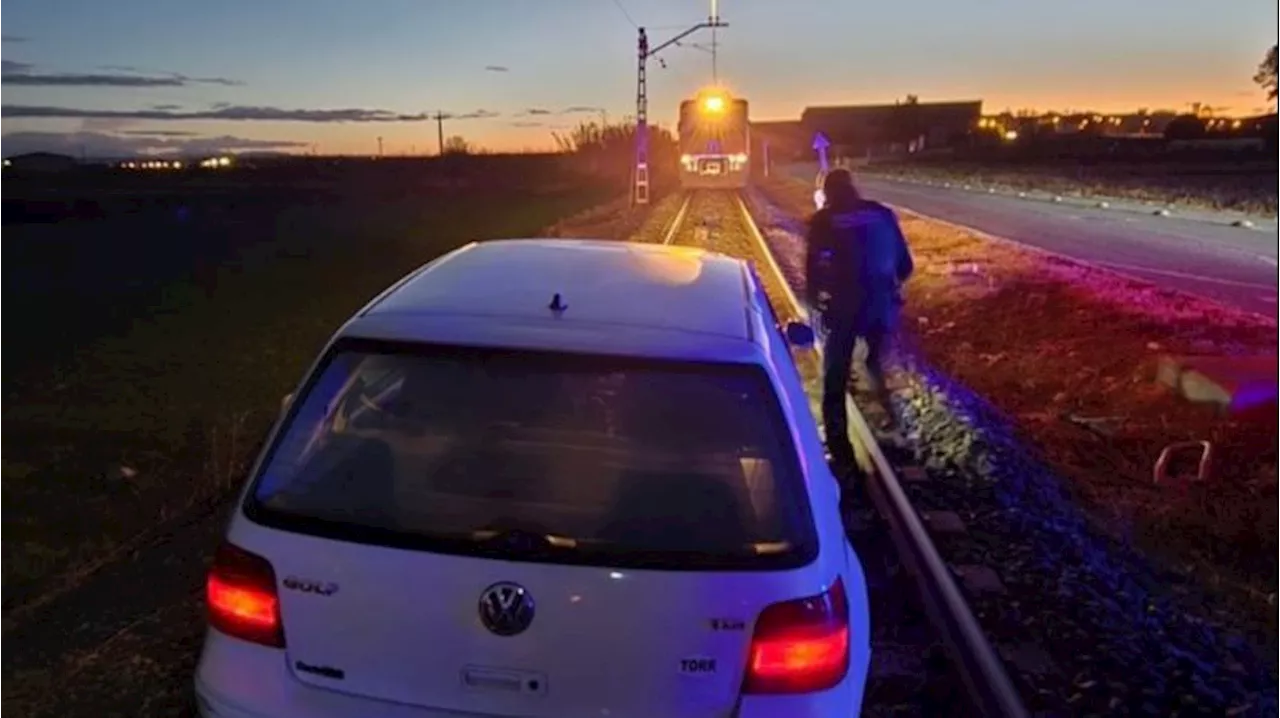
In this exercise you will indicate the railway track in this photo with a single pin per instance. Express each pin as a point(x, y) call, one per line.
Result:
point(929, 656)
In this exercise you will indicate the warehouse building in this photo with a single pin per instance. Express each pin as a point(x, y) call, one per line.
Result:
point(911, 126)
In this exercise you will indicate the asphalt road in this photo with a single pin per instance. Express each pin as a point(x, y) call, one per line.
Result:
point(1234, 265)
point(1196, 252)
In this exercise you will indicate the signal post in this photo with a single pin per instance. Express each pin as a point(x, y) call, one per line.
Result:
point(640, 186)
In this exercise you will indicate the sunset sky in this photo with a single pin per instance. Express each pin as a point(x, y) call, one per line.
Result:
point(117, 77)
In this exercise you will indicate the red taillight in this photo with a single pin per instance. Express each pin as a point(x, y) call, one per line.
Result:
point(800, 646)
point(242, 598)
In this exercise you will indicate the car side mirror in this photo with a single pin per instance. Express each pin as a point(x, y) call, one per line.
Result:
point(799, 335)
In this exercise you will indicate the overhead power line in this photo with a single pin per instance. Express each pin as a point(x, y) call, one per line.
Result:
point(626, 14)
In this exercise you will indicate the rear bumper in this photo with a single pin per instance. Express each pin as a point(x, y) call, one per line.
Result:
point(240, 680)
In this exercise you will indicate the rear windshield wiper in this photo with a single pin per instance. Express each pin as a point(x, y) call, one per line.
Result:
point(522, 541)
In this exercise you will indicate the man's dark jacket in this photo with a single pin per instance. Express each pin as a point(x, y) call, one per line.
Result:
point(858, 257)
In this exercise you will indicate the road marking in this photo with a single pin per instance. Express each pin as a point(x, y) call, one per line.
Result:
point(1183, 275)
point(1126, 205)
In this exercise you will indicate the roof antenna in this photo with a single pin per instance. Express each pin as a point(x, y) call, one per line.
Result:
point(556, 305)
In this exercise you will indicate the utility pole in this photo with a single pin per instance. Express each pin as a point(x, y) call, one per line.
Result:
point(640, 191)
point(715, 45)
point(1, 78)
point(440, 118)
point(379, 147)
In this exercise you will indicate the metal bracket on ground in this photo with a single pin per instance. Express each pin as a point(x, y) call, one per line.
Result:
point(1160, 474)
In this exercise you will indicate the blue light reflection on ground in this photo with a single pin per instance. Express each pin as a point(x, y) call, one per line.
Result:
point(1149, 644)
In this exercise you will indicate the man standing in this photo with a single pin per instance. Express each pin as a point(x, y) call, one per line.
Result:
point(856, 262)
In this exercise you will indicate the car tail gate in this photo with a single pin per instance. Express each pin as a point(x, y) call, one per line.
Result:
point(538, 534)
point(536, 639)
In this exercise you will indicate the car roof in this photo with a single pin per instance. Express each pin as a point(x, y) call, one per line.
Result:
point(611, 286)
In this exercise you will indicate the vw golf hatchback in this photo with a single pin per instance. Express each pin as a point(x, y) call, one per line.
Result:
point(543, 478)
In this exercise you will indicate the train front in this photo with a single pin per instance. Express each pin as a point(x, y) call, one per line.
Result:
point(715, 141)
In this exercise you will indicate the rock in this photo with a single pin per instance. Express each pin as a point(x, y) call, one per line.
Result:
point(943, 522)
point(913, 474)
point(979, 579)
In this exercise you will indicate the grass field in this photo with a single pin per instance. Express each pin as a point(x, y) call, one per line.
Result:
point(160, 325)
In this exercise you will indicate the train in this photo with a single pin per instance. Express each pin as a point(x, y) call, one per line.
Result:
point(715, 141)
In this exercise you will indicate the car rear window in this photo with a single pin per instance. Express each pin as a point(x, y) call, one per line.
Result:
point(540, 456)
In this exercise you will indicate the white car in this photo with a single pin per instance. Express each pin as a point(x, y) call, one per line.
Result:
point(544, 478)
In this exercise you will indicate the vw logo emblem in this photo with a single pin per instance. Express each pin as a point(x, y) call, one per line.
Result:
point(506, 608)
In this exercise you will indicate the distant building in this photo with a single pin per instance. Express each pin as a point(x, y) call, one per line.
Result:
point(865, 130)
point(786, 140)
point(41, 162)
point(1156, 131)
point(1133, 124)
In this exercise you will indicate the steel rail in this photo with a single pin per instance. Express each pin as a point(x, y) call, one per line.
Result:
point(981, 669)
point(678, 221)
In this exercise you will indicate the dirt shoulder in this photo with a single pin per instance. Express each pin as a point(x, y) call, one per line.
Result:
point(619, 220)
point(1070, 353)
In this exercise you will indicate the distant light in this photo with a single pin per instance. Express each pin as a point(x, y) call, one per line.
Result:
point(686, 159)
point(740, 158)
point(7, 163)
point(224, 161)
point(177, 165)
point(713, 103)
point(1011, 135)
